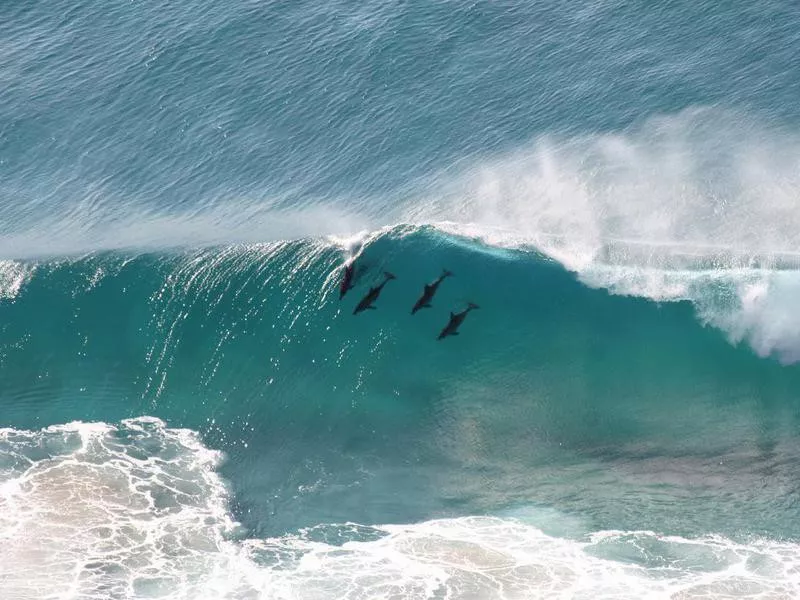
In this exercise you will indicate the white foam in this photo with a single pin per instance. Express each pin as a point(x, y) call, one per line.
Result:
point(13, 275)
point(486, 557)
point(137, 511)
point(701, 206)
point(97, 511)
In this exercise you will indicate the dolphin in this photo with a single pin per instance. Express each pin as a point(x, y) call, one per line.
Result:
point(351, 276)
point(372, 295)
point(347, 279)
point(429, 291)
point(455, 321)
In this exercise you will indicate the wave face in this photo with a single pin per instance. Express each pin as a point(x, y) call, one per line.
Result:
point(333, 417)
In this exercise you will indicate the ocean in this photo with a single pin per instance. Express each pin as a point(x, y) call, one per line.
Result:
point(189, 409)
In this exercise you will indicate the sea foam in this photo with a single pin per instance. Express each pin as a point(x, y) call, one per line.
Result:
point(137, 510)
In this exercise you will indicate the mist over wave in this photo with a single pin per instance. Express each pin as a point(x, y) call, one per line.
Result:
point(699, 206)
point(699, 182)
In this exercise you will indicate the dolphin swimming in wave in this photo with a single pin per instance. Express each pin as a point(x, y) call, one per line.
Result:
point(455, 321)
point(372, 295)
point(429, 291)
point(347, 280)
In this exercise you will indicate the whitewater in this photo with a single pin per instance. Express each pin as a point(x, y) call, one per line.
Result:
point(188, 410)
point(142, 514)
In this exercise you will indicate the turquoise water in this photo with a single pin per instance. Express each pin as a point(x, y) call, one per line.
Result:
point(189, 410)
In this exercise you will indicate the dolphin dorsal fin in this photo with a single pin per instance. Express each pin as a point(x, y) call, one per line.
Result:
point(452, 314)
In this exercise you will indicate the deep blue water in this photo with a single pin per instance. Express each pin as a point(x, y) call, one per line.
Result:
point(617, 186)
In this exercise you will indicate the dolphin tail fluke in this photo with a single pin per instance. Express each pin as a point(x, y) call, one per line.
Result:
point(471, 306)
point(389, 275)
point(446, 273)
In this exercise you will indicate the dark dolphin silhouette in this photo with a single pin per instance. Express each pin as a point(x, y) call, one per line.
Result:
point(455, 321)
point(372, 295)
point(347, 279)
point(351, 275)
point(429, 291)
